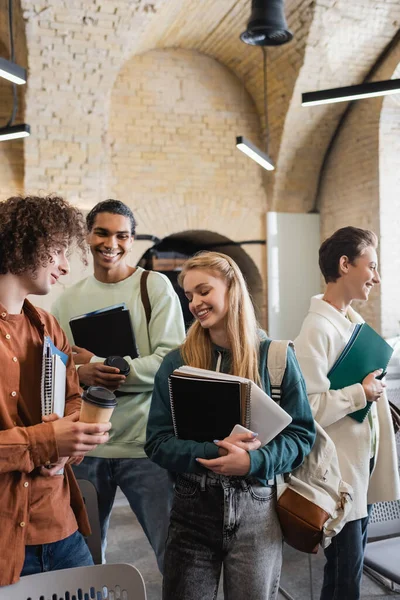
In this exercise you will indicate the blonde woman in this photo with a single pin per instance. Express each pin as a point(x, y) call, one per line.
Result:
point(224, 506)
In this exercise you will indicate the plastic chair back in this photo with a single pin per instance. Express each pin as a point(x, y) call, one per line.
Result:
point(98, 582)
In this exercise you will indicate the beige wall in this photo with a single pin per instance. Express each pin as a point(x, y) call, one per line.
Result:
point(173, 122)
point(389, 166)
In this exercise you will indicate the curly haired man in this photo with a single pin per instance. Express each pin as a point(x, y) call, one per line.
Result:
point(42, 511)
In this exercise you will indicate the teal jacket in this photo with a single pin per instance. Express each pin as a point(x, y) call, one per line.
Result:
point(283, 454)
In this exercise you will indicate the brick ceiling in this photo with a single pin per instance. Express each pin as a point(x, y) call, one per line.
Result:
point(336, 42)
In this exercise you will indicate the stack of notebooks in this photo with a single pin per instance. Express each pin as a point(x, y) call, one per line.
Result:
point(53, 381)
point(105, 332)
point(365, 352)
point(207, 405)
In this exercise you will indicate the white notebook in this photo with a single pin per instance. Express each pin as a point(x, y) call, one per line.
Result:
point(267, 418)
point(53, 380)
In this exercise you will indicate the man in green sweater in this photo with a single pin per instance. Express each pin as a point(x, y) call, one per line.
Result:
point(122, 461)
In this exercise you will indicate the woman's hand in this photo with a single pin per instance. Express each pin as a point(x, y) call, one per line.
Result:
point(373, 387)
point(235, 461)
point(247, 441)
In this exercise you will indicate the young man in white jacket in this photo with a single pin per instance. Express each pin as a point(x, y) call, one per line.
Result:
point(122, 462)
point(367, 450)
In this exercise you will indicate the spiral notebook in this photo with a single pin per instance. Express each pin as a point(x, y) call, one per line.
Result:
point(206, 405)
point(53, 381)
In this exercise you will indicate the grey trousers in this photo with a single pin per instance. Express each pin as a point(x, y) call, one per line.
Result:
point(222, 521)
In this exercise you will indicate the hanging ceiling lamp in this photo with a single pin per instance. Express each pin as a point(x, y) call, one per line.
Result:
point(267, 27)
point(13, 72)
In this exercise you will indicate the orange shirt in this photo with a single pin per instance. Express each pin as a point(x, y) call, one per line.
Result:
point(33, 509)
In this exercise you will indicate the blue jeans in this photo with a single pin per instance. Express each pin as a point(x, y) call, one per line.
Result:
point(146, 486)
point(229, 521)
point(344, 562)
point(65, 554)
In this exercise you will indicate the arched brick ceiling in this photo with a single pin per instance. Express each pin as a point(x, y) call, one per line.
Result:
point(77, 47)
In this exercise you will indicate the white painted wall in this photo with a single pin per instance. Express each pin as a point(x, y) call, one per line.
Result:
point(293, 241)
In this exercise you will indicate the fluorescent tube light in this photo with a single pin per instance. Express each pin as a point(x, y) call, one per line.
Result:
point(253, 152)
point(11, 71)
point(13, 132)
point(352, 92)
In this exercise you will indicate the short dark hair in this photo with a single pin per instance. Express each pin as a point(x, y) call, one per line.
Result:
point(30, 230)
point(348, 241)
point(115, 207)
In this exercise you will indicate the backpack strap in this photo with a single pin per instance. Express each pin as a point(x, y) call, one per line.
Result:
point(145, 296)
point(276, 364)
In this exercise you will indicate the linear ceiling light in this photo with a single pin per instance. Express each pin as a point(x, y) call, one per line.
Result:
point(13, 132)
point(352, 92)
point(11, 71)
point(255, 153)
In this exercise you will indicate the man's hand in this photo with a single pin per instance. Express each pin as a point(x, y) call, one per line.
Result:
point(81, 355)
point(99, 374)
point(373, 387)
point(54, 467)
point(236, 461)
point(74, 438)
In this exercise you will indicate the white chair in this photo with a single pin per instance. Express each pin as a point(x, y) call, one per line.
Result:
point(99, 582)
point(89, 494)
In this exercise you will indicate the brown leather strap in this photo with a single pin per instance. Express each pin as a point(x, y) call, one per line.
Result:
point(145, 295)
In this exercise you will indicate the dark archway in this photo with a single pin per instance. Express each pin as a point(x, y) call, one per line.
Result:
point(168, 254)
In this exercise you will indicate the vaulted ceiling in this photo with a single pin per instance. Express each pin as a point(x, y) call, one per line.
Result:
point(336, 42)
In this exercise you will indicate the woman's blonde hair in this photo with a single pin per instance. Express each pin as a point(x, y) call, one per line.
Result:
point(241, 323)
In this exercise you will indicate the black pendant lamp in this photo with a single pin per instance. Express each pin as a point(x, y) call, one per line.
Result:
point(267, 25)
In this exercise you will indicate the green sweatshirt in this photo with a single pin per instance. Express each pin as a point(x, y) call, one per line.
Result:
point(283, 454)
point(165, 332)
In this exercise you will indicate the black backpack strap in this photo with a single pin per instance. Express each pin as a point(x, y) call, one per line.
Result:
point(145, 296)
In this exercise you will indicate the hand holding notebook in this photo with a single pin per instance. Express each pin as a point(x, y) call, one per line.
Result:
point(365, 352)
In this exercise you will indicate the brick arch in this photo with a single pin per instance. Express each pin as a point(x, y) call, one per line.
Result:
point(173, 120)
point(339, 51)
point(351, 187)
point(191, 241)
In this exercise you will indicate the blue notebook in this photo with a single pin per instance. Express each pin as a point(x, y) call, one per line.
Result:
point(366, 351)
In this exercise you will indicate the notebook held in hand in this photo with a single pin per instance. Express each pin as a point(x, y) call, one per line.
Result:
point(105, 332)
point(365, 352)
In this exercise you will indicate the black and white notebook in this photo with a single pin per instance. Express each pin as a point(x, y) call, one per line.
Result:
point(206, 405)
point(53, 381)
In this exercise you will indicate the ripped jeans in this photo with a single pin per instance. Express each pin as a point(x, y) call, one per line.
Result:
point(229, 521)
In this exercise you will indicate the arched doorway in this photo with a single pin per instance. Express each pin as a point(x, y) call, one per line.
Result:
point(168, 254)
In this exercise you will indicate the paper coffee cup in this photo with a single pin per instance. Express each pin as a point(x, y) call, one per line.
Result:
point(97, 405)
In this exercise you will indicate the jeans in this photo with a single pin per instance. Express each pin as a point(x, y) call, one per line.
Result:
point(222, 521)
point(146, 486)
point(65, 554)
point(344, 562)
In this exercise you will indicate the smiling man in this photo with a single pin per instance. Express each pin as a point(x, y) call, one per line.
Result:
point(122, 461)
point(41, 510)
point(367, 453)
